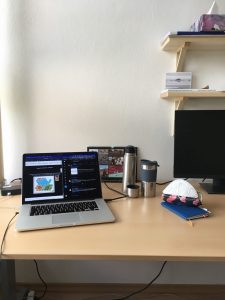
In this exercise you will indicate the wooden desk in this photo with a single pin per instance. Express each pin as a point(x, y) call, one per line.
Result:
point(143, 230)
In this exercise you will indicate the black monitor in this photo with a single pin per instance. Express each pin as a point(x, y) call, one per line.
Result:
point(199, 147)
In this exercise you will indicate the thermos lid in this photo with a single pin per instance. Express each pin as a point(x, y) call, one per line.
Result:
point(148, 164)
point(130, 149)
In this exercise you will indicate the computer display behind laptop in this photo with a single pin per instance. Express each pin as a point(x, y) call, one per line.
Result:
point(51, 177)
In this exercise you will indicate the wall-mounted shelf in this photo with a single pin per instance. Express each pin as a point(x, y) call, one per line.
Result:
point(174, 42)
point(180, 95)
point(193, 93)
point(180, 44)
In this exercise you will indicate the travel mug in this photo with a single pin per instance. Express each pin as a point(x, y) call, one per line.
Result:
point(148, 175)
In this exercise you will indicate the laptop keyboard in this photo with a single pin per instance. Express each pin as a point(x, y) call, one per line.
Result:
point(63, 208)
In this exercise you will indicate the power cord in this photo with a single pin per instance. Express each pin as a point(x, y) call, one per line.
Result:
point(145, 287)
point(123, 298)
point(116, 198)
point(124, 195)
point(4, 235)
point(42, 280)
point(36, 264)
point(116, 191)
point(162, 183)
point(16, 179)
point(45, 284)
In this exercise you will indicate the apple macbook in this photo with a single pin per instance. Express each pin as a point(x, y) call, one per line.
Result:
point(61, 189)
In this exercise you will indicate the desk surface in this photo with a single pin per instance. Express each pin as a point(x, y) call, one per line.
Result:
point(143, 230)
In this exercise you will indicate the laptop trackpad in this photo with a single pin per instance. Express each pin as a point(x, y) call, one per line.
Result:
point(70, 218)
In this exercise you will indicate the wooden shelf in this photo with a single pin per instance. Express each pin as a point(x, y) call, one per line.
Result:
point(181, 95)
point(181, 44)
point(174, 42)
point(204, 93)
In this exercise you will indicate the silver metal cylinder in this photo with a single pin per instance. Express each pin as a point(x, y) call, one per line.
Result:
point(133, 190)
point(148, 189)
point(148, 175)
point(129, 167)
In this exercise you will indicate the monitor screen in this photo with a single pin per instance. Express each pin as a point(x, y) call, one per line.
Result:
point(199, 147)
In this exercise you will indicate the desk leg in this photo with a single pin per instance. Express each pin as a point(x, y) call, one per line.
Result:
point(8, 281)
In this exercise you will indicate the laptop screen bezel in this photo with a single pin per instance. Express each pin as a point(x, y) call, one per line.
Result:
point(63, 200)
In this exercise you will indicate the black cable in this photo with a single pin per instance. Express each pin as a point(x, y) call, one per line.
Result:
point(145, 287)
point(116, 198)
point(162, 183)
point(111, 189)
point(19, 179)
point(42, 280)
point(4, 235)
point(39, 275)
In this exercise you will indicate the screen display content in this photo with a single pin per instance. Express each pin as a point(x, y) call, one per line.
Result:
point(110, 162)
point(60, 176)
point(199, 147)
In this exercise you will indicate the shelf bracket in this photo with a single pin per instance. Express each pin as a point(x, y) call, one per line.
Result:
point(181, 52)
point(179, 102)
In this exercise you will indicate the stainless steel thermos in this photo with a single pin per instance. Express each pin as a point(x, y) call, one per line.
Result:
point(148, 175)
point(129, 167)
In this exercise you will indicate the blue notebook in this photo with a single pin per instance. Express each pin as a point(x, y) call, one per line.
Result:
point(186, 212)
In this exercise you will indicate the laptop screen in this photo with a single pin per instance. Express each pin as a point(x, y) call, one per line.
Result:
point(50, 177)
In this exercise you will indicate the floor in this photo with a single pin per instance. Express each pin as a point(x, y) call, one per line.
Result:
point(117, 292)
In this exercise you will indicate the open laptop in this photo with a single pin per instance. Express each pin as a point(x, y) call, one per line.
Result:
point(61, 189)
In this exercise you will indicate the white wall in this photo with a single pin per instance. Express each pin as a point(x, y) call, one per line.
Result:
point(89, 72)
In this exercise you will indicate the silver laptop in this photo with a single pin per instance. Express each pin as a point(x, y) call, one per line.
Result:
point(61, 189)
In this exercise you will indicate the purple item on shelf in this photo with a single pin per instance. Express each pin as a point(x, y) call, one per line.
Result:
point(209, 23)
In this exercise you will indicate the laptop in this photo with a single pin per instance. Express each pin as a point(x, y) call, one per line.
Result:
point(61, 189)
